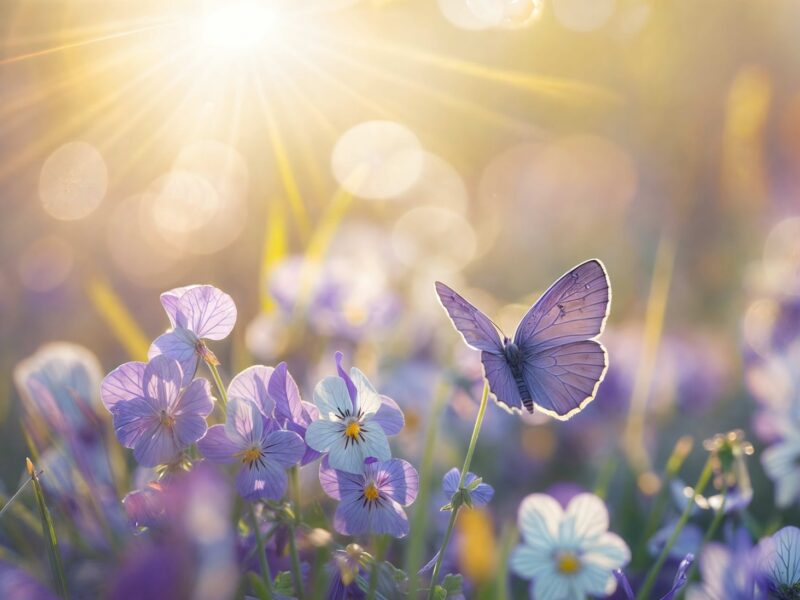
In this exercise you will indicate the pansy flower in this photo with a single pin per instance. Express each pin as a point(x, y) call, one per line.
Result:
point(567, 553)
point(291, 412)
point(780, 462)
point(373, 501)
point(779, 563)
point(480, 494)
point(728, 571)
point(354, 420)
point(264, 451)
point(196, 313)
point(153, 413)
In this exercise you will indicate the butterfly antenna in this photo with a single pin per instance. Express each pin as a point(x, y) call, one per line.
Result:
point(499, 329)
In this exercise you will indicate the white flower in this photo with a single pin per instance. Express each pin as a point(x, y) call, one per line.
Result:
point(568, 554)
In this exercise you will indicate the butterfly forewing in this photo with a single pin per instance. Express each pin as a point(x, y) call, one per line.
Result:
point(477, 328)
point(574, 308)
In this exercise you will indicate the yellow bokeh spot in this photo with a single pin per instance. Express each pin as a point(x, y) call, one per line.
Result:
point(353, 430)
point(477, 553)
point(371, 492)
point(568, 563)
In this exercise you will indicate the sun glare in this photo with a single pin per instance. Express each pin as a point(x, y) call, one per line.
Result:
point(238, 27)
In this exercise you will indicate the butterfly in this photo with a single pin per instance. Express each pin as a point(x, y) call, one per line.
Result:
point(554, 361)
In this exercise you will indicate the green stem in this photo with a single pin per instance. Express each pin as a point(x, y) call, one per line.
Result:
point(223, 395)
point(709, 535)
point(262, 554)
point(294, 493)
point(379, 544)
point(49, 533)
point(467, 461)
point(702, 481)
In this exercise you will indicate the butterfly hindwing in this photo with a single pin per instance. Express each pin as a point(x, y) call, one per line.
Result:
point(501, 380)
point(476, 328)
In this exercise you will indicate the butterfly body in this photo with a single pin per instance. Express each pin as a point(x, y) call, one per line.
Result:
point(553, 361)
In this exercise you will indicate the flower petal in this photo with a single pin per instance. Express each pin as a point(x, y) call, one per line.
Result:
point(351, 388)
point(332, 398)
point(123, 383)
point(389, 416)
point(157, 446)
point(284, 447)
point(207, 311)
point(252, 384)
point(339, 484)
point(450, 482)
point(482, 495)
point(324, 435)
point(608, 551)
point(286, 396)
point(244, 423)
point(132, 420)
point(170, 300)
point(196, 399)
point(375, 445)
point(398, 480)
point(590, 515)
point(178, 345)
point(530, 562)
point(551, 586)
point(353, 518)
point(189, 428)
point(538, 517)
point(265, 481)
point(367, 398)
point(217, 447)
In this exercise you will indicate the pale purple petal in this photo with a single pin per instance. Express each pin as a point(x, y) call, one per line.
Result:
point(188, 428)
point(196, 399)
point(384, 517)
point(339, 484)
point(398, 480)
point(286, 395)
point(252, 384)
point(156, 447)
point(351, 388)
point(265, 481)
point(207, 311)
point(217, 447)
point(123, 383)
point(309, 454)
point(170, 300)
point(389, 416)
point(367, 398)
point(450, 482)
point(132, 420)
point(177, 344)
point(283, 447)
point(482, 495)
point(244, 423)
point(375, 444)
point(328, 436)
point(332, 398)
point(162, 382)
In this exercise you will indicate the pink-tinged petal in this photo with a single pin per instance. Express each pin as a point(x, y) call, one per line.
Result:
point(539, 517)
point(398, 480)
point(132, 420)
point(286, 395)
point(207, 311)
point(262, 481)
point(196, 399)
point(332, 398)
point(351, 388)
point(163, 380)
point(189, 428)
point(123, 383)
point(180, 346)
point(157, 446)
point(283, 447)
point(217, 447)
point(253, 384)
point(590, 515)
point(244, 423)
point(170, 300)
point(389, 416)
point(339, 484)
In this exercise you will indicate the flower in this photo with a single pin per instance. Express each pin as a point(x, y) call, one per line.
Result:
point(17, 583)
point(264, 450)
point(779, 563)
point(196, 312)
point(477, 493)
point(780, 461)
point(568, 554)
point(348, 573)
point(681, 577)
point(373, 501)
point(153, 414)
point(727, 571)
point(353, 421)
point(291, 412)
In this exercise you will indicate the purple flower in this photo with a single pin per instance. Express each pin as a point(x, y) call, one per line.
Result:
point(152, 413)
point(779, 563)
point(681, 577)
point(480, 494)
point(728, 571)
point(264, 451)
point(354, 420)
point(291, 412)
point(17, 583)
point(348, 574)
point(196, 312)
point(373, 501)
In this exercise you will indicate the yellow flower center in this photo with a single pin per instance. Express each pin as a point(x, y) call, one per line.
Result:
point(353, 430)
point(371, 492)
point(568, 563)
point(251, 455)
point(166, 420)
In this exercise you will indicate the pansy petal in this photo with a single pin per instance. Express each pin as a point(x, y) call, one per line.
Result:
point(123, 383)
point(284, 447)
point(266, 480)
point(389, 518)
point(132, 419)
point(607, 550)
point(482, 495)
point(284, 392)
point(309, 454)
point(324, 435)
point(252, 383)
point(589, 513)
point(529, 562)
point(351, 388)
point(156, 447)
point(538, 517)
point(367, 398)
point(244, 423)
point(207, 311)
point(779, 558)
point(196, 399)
point(162, 381)
point(332, 398)
point(339, 484)
point(398, 480)
point(170, 300)
point(450, 482)
point(551, 586)
point(389, 416)
point(217, 447)
point(596, 580)
point(188, 428)
point(375, 445)
point(177, 345)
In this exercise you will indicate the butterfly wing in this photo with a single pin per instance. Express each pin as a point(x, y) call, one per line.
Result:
point(563, 365)
point(501, 380)
point(475, 327)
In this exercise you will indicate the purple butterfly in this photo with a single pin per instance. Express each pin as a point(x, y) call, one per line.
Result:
point(554, 360)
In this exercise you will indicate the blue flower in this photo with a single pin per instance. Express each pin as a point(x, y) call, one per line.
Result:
point(780, 462)
point(728, 571)
point(568, 554)
point(354, 421)
point(479, 495)
point(779, 563)
point(681, 577)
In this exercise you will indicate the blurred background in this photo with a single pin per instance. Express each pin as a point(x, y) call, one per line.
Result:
point(325, 161)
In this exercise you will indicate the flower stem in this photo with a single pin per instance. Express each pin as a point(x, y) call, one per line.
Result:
point(454, 513)
point(223, 395)
point(379, 543)
point(262, 554)
point(711, 531)
point(702, 481)
point(294, 492)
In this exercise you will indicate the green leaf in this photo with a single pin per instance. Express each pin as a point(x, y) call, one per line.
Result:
point(283, 583)
point(475, 483)
point(452, 584)
point(439, 593)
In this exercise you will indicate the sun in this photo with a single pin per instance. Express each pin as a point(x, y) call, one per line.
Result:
point(238, 27)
